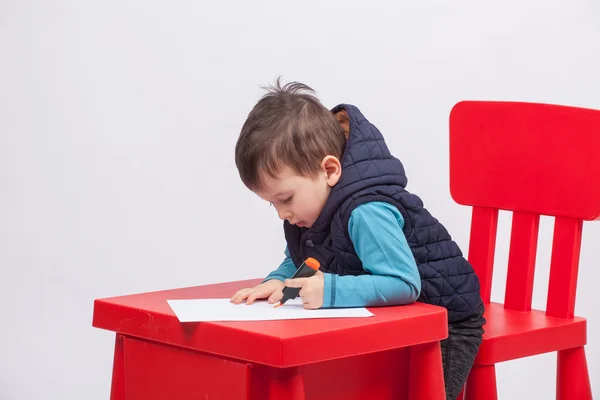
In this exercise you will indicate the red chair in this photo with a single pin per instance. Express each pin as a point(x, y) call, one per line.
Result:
point(532, 159)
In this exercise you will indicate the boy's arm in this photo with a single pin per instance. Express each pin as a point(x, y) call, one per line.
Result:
point(376, 231)
point(285, 270)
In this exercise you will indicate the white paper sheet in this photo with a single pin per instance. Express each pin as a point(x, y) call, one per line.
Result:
point(196, 310)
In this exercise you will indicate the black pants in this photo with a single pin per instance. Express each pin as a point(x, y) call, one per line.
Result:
point(459, 351)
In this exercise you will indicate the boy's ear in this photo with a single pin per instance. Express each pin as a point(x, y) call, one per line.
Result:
point(332, 168)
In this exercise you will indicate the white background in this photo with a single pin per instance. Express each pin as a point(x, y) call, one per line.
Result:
point(118, 121)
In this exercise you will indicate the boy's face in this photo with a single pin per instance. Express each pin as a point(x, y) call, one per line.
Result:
point(300, 199)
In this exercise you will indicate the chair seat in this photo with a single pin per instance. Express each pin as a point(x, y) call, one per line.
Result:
point(510, 335)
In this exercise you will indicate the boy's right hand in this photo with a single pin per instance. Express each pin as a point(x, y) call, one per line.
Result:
point(271, 289)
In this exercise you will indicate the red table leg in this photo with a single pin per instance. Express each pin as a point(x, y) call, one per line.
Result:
point(275, 383)
point(117, 389)
point(426, 376)
point(287, 384)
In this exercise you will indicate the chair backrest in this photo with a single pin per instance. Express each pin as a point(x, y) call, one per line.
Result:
point(532, 159)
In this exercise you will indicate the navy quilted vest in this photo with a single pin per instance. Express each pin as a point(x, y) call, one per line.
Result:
point(371, 173)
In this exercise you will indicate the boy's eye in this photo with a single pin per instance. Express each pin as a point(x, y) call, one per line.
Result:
point(285, 201)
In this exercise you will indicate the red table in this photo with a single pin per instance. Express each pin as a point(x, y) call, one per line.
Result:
point(395, 354)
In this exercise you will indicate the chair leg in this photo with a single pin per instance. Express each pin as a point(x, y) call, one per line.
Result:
point(572, 378)
point(481, 383)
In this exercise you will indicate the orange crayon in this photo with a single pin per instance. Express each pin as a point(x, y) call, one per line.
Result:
point(309, 267)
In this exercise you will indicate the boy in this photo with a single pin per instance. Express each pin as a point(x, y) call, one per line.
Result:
point(341, 194)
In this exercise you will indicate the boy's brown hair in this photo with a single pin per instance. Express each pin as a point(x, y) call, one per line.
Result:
point(287, 127)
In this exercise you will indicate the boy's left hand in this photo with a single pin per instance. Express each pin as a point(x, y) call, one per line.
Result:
point(311, 290)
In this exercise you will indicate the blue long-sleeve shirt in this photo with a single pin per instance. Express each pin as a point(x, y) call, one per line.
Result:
point(375, 230)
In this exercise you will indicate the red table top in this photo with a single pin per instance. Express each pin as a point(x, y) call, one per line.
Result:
point(277, 343)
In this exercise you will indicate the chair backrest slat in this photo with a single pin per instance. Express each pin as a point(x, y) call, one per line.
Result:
point(564, 266)
point(521, 261)
point(482, 247)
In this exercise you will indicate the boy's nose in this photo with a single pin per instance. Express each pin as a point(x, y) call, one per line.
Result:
point(283, 214)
